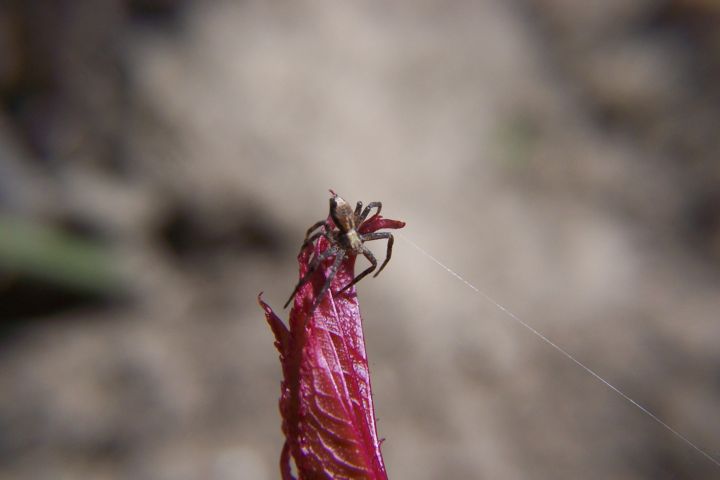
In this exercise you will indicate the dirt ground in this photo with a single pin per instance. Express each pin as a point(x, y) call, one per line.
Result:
point(160, 161)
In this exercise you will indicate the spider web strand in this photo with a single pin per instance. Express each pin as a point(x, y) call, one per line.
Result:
point(564, 352)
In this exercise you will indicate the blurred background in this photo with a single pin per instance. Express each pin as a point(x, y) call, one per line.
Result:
point(160, 161)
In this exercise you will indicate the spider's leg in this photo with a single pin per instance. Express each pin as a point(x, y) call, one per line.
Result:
point(369, 207)
point(332, 240)
point(311, 238)
point(314, 227)
point(330, 275)
point(371, 258)
point(358, 207)
point(378, 236)
point(314, 263)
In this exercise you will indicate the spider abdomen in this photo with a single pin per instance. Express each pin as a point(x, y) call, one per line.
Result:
point(352, 241)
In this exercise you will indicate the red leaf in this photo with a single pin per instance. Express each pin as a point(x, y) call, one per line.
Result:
point(326, 400)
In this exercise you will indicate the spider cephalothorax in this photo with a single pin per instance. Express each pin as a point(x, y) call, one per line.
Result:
point(344, 241)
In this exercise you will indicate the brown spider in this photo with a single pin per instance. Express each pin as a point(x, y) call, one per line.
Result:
point(343, 242)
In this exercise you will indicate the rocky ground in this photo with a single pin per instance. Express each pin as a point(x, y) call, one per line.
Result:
point(160, 161)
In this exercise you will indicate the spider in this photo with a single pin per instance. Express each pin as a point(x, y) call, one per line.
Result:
point(343, 242)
